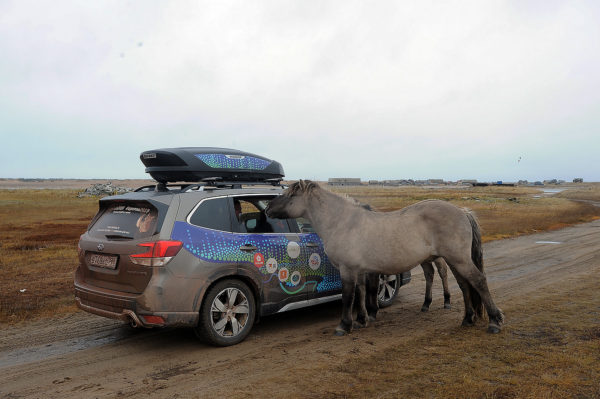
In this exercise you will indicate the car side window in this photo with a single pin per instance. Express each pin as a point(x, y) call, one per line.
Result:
point(304, 225)
point(251, 217)
point(212, 213)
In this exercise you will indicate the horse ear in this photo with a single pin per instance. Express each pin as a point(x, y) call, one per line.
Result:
point(301, 184)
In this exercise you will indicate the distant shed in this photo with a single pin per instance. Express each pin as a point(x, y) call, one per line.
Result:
point(344, 181)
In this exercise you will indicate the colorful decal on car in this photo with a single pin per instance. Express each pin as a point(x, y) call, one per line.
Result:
point(284, 274)
point(293, 249)
point(271, 265)
point(259, 260)
point(314, 262)
point(222, 161)
point(284, 257)
point(295, 278)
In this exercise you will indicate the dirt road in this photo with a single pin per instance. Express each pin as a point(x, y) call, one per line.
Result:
point(88, 356)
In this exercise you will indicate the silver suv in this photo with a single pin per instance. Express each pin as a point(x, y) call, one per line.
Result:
point(204, 254)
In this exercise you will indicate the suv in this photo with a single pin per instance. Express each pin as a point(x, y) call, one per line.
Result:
point(204, 254)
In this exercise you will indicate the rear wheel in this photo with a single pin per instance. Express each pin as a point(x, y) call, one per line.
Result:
point(388, 289)
point(227, 313)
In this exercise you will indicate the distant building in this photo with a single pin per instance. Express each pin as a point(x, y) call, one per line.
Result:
point(578, 180)
point(344, 181)
point(435, 181)
point(374, 182)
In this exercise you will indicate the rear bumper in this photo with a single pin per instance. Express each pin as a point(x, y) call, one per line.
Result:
point(125, 315)
point(126, 308)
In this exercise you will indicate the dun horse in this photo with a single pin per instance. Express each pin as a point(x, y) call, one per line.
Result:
point(359, 242)
point(428, 272)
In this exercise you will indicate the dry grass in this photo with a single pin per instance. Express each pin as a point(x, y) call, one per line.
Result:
point(553, 352)
point(587, 192)
point(503, 212)
point(39, 230)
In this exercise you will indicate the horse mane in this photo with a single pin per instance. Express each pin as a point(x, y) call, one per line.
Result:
point(303, 186)
point(357, 203)
point(309, 187)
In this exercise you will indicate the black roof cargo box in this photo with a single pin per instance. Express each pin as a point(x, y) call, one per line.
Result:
point(193, 164)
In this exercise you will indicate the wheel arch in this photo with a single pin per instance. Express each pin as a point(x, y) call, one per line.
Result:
point(233, 274)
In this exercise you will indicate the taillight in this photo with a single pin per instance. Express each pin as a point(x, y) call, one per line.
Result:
point(158, 253)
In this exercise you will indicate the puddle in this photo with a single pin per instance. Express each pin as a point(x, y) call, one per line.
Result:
point(553, 190)
point(548, 242)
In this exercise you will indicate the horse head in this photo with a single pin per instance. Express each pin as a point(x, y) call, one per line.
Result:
point(293, 202)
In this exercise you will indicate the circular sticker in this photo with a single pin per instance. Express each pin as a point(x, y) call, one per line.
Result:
point(259, 260)
point(293, 249)
point(314, 261)
point(283, 274)
point(271, 265)
point(295, 278)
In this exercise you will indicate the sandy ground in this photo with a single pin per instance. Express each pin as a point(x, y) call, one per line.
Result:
point(88, 356)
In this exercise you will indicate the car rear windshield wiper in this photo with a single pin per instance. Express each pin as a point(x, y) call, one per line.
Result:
point(117, 237)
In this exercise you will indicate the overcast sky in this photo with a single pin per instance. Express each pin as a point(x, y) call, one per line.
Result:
point(491, 90)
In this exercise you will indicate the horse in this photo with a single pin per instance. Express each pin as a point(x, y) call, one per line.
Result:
point(359, 241)
point(428, 272)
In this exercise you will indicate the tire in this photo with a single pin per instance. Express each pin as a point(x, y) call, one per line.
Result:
point(388, 289)
point(227, 313)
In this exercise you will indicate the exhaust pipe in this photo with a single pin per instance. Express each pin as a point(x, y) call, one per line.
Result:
point(134, 321)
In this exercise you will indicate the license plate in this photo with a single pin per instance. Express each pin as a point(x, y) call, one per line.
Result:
point(106, 261)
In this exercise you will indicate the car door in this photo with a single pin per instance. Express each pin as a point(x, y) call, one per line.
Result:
point(323, 278)
point(276, 251)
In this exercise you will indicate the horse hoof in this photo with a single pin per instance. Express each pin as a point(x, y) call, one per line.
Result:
point(358, 325)
point(468, 323)
point(425, 308)
point(493, 329)
point(340, 333)
point(447, 306)
point(372, 318)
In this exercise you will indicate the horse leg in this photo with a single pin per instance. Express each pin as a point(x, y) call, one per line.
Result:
point(478, 281)
point(442, 269)
point(361, 313)
point(372, 287)
point(428, 273)
point(349, 279)
point(465, 287)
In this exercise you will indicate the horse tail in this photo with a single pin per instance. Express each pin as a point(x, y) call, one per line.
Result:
point(477, 258)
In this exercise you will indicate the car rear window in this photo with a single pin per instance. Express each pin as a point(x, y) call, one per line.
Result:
point(126, 221)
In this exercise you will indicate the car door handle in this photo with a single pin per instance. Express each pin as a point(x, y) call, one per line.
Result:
point(312, 245)
point(248, 248)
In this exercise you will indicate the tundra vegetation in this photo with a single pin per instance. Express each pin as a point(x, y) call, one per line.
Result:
point(549, 350)
point(39, 231)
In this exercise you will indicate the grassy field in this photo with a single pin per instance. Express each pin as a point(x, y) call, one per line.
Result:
point(503, 212)
point(39, 230)
point(553, 353)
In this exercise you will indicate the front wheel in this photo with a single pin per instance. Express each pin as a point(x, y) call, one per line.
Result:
point(388, 289)
point(227, 313)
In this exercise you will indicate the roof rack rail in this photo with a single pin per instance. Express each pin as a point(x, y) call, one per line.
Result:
point(209, 183)
point(219, 182)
